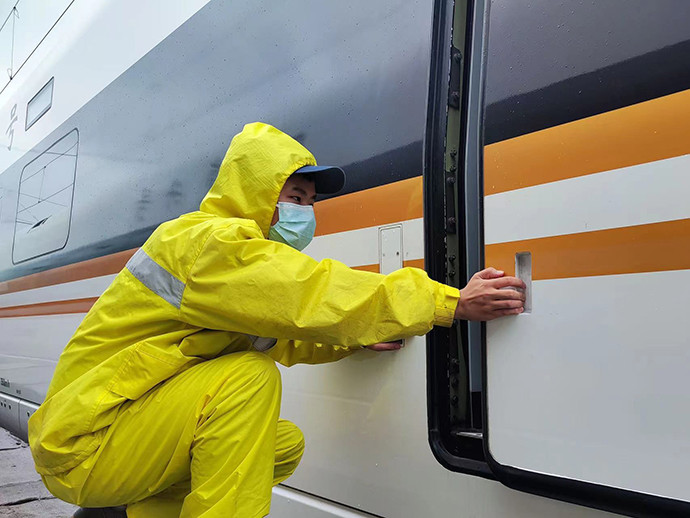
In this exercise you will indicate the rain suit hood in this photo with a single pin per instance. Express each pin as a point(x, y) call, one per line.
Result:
point(258, 163)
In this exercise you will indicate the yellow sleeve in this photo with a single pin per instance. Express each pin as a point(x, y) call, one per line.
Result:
point(292, 352)
point(259, 287)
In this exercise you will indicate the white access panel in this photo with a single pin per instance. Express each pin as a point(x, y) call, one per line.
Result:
point(390, 248)
point(593, 384)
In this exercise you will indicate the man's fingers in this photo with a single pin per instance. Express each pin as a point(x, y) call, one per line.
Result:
point(490, 273)
point(507, 282)
point(385, 346)
point(489, 295)
point(507, 304)
point(509, 294)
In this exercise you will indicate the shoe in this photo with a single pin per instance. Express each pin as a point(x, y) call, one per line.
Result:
point(103, 512)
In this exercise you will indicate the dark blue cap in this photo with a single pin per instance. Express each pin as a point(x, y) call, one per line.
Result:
point(328, 179)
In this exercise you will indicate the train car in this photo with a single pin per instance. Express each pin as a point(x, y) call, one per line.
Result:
point(550, 139)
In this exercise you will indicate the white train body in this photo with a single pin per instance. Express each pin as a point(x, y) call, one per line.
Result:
point(136, 102)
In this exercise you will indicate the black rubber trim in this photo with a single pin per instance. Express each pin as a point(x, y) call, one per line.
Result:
point(447, 451)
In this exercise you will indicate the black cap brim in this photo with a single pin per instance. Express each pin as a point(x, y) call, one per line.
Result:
point(328, 179)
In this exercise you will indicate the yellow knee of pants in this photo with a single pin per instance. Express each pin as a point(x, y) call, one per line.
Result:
point(289, 450)
point(205, 443)
point(168, 503)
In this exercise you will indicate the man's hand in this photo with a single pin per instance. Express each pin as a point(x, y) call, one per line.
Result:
point(484, 299)
point(385, 346)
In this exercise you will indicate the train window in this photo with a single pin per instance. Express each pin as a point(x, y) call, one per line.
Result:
point(39, 105)
point(44, 207)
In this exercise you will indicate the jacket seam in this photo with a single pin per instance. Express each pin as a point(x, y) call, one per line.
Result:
point(167, 362)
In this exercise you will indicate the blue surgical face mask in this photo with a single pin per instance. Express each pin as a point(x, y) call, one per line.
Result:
point(296, 225)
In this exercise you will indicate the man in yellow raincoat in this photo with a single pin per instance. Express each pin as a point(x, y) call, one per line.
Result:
point(167, 397)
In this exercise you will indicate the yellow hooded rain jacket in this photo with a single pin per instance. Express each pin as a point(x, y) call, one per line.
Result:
point(209, 283)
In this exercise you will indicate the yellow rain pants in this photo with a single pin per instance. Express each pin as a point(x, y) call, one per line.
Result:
point(217, 421)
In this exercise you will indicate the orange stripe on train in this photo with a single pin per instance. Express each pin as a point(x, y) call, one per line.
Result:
point(105, 265)
point(653, 247)
point(637, 134)
point(390, 203)
point(61, 307)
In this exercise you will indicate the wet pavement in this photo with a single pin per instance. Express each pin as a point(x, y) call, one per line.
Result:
point(22, 494)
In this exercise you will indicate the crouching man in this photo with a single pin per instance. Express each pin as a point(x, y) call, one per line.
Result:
point(167, 398)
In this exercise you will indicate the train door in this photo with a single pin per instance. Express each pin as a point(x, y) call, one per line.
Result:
point(573, 177)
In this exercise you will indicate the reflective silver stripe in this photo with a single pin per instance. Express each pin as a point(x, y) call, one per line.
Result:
point(156, 278)
point(262, 344)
